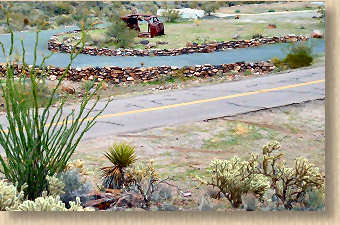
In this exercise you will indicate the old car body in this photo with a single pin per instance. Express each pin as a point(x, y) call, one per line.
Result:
point(155, 26)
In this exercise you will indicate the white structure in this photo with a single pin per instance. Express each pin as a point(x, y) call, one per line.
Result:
point(186, 13)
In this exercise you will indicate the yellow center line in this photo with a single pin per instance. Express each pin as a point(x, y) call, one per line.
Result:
point(199, 101)
point(209, 99)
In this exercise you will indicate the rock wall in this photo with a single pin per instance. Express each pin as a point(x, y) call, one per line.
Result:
point(57, 46)
point(118, 75)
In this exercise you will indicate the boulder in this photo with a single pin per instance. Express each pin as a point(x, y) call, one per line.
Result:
point(236, 36)
point(144, 42)
point(271, 26)
point(317, 34)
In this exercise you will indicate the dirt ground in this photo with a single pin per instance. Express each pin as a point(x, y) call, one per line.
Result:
point(184, 151)
point(178, 34)
point(262, 8)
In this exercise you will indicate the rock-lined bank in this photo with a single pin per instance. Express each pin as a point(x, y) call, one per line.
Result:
point(117, 75)
point(55, 45)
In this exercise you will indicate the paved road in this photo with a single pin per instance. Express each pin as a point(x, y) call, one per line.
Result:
point(206, 102)
point(201, 103)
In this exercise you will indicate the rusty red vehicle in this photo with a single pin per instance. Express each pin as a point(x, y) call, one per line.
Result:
point(155, 26)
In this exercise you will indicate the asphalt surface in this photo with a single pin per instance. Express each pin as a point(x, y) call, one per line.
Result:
point(207, 102)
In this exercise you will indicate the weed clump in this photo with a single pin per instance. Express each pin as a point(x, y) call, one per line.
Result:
point(299, 55)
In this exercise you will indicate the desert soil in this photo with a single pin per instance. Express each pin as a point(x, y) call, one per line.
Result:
point(185, 150)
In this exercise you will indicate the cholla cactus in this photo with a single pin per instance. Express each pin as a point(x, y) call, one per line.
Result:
point(234, 178)
point(290, 184)
point(55, 186)
point(48, 203)
point(77, 164)
point(9, 196)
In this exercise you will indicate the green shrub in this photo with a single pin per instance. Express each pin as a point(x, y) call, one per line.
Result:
point(299, 55)
point(38, 142)
point(271, 10)
point(210, 7)
point(171, 15)
point(64, 20)
point(237, 11)
point(97, 39)
point(120, 33)
point(25, 96)
point(87, 85)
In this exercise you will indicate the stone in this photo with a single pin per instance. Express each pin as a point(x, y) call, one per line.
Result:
point(249, 201)
point(189, 44)
point(53, 77)
point(161, 42)
point(317, 34)
point(69, 90)
point(236, 36)
point(144, 42)
point(130, 200)
point(130, 79)
point(271, 26)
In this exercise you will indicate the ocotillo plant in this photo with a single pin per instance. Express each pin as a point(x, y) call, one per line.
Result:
point(39, 142)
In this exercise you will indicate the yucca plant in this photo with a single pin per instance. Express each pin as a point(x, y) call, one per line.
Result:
point(121, 156)
point(38, 142)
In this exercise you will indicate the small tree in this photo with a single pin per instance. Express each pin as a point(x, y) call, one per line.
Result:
point(210, 7)
point(121, 34)
point(171, 15)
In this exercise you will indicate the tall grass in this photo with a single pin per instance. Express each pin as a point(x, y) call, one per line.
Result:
point(39, 142)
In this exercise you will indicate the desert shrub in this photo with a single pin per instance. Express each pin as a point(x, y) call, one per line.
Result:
point(210, 7)
point(299, 55)
point(144, 180)
point(279, 64)
point(120, 33)
point(64, 20)
point(121, 156)
point(271, 10)
point(97, 39)
point(38, 142)
point(247, 73)
point(257, 35)
point(171, 15)
point(74, 187)
point(25, 96)
point(84, 17)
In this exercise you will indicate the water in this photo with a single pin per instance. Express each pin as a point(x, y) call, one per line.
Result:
point(252, 54)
